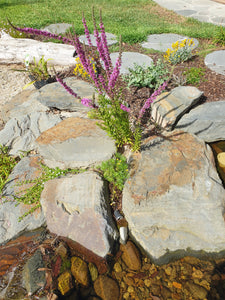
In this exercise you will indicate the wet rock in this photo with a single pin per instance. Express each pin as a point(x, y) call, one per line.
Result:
point(174, 200)
point(81, 202)
point(106, 288)
point(197, 291)
point(169, 107)
point(131, 256)
point(206, 121)
point(20, 132)
point(79, 269)
point(65, 283)
point(75, 142)
point(117, 267)
point(33, 277)
point(93, 271)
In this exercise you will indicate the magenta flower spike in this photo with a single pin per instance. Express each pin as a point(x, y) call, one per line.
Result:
point(108, 62)
point(124, 108)
point(67, 88)
point(86, 31)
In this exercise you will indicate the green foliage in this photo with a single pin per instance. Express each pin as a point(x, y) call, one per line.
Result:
point(151, 77)
point(7, 164)
point(39, 70)
point(115, 120)
point(115, 170)
point(220, 36)
point(31, 195)
point(194, 75)
point(11, 31)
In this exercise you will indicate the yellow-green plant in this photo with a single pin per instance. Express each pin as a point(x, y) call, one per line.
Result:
point(180, 52)
point(80, 71)
point(7, 163)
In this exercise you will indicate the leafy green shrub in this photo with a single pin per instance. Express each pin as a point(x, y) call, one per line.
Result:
point(115, 170)
point(7, 164)
point(151, 77)
point(220, 36)
point(194, 75)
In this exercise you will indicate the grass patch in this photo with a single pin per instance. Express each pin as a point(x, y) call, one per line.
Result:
point(132, 19)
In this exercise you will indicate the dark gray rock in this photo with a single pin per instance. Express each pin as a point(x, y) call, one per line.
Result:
point(77, 207)
point(207, 121)
point(174, 200)
point(33, 278)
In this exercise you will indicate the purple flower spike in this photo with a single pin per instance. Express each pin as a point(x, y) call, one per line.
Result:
point(124, 108)
point(86, 31)
point(86, 102)
point(67, 88)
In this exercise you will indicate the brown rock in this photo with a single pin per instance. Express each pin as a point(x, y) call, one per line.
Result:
point(131, 256)
point(79, 270)
point(106, 288)
point(197, 291)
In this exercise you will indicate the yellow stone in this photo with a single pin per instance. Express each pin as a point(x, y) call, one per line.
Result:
point(221, 159)
point(130, 289)
point(147, 282)
point(117, 267)
point(65, 282)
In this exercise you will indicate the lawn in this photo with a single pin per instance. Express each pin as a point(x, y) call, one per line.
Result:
point(132, 19)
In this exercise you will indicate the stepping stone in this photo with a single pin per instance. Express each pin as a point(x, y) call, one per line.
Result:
point(215, 61)
point(111, 39)
point(62, 99)
point(57, 28)
point(129, 59)
point(162, 42)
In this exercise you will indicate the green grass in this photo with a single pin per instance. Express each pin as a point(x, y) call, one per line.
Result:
point(132, 19)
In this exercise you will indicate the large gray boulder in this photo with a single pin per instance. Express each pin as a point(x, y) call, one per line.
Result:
point(74, 143)
point(77, 207)
point(207, 121)
point(20, 132)
point(174, 200)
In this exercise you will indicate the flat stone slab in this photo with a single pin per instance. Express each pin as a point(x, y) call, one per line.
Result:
point(77, 207)
point(74, 143)
point(169, 107)
point(207, 121)
point(162, 42)
point(20, 132)
point(202, 10)
point(129, 59)
point(174, 199)
point(14, 50)
point(215, 61)
point(57, 28)
point(62, 100)
point(111, 39)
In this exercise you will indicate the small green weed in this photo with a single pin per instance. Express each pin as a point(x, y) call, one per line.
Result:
point(152, 77)
point(194, 75)
point(7, 164)
point(220, 36)
point(115, 170)
point(31, 196)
